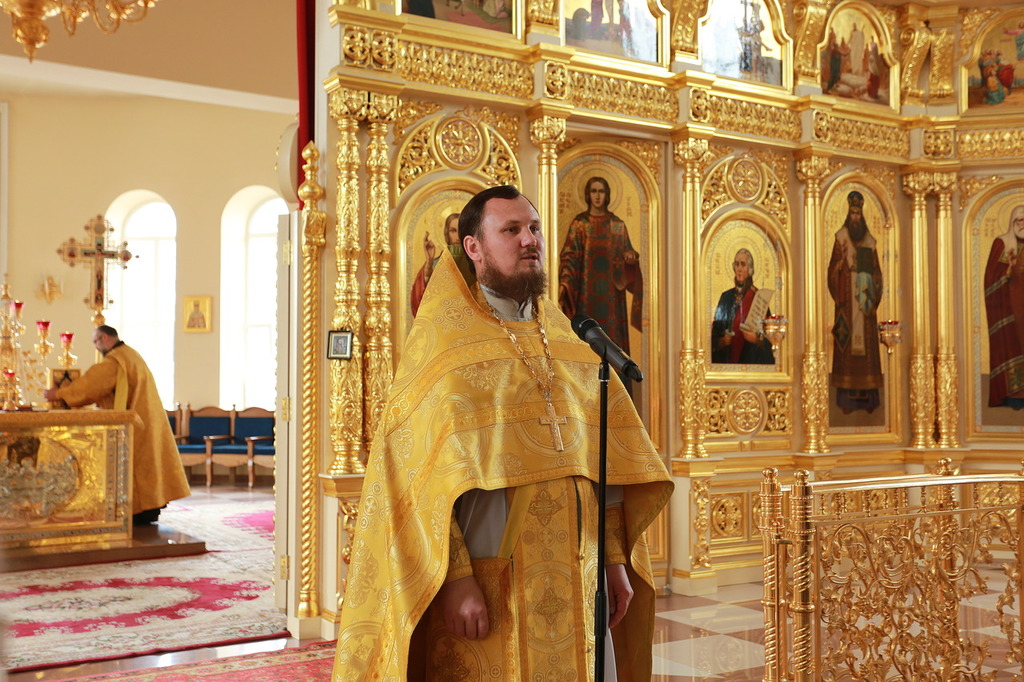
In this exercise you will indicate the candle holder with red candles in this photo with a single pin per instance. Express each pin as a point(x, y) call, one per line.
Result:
point(890, 333)
point(66, 359)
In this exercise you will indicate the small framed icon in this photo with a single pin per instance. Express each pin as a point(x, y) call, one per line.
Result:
point(339, 344)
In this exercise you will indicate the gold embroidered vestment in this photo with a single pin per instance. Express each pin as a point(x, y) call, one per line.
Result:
point(464, 413)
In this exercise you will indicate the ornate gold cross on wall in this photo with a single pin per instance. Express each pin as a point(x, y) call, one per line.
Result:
point(95, 253)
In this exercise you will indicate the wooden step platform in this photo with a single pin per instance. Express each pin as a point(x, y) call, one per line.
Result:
point(154, 541)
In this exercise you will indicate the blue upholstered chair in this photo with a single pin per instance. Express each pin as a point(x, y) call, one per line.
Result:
point(204, 429)
point(252, 443)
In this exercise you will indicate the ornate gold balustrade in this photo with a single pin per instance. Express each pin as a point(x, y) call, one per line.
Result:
point(879, 579)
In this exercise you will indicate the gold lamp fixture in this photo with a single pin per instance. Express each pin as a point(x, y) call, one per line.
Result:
point(28, 17)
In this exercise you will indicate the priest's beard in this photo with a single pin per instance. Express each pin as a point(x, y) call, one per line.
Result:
point(519, 287)
point(857, 227)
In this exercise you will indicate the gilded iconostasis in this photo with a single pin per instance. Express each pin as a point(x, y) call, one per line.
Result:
point(803, 220)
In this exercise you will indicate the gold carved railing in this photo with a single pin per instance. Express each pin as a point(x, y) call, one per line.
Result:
point(884, 579)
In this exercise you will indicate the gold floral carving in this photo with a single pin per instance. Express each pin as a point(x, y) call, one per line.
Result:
point(365, 48)
point(506, 125)
point(349, 517)
point(745, 179)
point(728, 517)
point(696, 155)
point(378, 358)
point(821, 126)
point(465, 70)
point(814, 389)
point(917, 41)
point(566, 144)
point(885, 176)
point(472, 139)
point(417, 156)
point(940, 76)
point(649, 154)
point(922, 400)
point(752, 118)
point(542, 13)
point(700, 489)
point(717, 419)
point(938, 144)
point(863, 136)
point(619, 96)
point(809, 16)
point(692, 402)
point(347, 108)
point(459, 141)
point(547, 131)
point(971, 20)
point(314, 239)
point(714, 194)
point(409, 113)
point(746, 411)
point(813, 170)
point(946, 389)
point(994, 143)
point(556, 80)
point(972, 185)
point(685, 15)
point(700, 105)
point(780, 412)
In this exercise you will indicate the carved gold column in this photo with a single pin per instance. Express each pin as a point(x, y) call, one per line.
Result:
point(347, 108)
point(546, 132)
point(691, 154)
point(810, 18)
point(946, 368)
point(811, 171)
point(314, 233)
point(769, 522)
point(378, 364)
point(922, 360)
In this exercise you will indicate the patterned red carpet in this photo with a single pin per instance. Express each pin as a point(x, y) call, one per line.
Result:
point(306, 664)
point(102, 611)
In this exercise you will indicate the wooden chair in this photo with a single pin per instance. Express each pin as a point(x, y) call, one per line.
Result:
point(203, 430)
point(174, 418)
point(252, 443)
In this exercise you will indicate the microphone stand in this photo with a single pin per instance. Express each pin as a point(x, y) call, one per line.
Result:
point(601, 594)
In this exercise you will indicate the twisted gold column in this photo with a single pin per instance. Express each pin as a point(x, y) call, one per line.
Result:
point(922, 360)
point(347, 108)
point(802, 604)
point(947, 389)
point(769, 522)
point(546, 132)
point(692, 155)
point(314, 230)
point(378, 365)
point(811, 171)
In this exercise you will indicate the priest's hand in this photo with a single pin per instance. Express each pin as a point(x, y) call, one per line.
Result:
point(463, 607)
point(50, 394)
point(620, 592)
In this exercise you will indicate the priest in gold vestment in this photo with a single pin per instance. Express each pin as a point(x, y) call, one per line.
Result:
point(474, 555)
point(122, 381)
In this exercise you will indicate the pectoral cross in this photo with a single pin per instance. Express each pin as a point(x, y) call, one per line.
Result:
point(553, 420)
point(95, 254)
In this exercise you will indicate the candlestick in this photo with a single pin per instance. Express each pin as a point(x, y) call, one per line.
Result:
point(66, 359)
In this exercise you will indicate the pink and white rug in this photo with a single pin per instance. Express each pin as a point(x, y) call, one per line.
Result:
point(78, 613)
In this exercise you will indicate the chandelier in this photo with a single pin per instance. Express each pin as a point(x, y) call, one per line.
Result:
point(28, 17)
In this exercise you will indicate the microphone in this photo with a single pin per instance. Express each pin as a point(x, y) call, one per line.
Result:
point(588, 329)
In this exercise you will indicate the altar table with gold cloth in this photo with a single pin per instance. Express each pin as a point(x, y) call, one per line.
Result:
point(65, 480)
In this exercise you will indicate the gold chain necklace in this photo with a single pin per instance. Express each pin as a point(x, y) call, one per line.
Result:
point(550, 419)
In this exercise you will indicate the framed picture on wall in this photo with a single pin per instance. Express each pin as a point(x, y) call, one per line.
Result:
point(339, 344)
point(197, 314)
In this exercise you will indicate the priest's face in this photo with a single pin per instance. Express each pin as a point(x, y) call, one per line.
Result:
point(1017, 222)
point(509, 249)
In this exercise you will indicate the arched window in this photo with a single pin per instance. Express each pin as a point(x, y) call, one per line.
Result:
point(143, 308)
point(248, 311)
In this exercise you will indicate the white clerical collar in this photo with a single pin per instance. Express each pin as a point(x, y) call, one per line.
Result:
point(508, 309)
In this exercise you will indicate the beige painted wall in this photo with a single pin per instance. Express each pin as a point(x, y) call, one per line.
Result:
point(71, 156)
